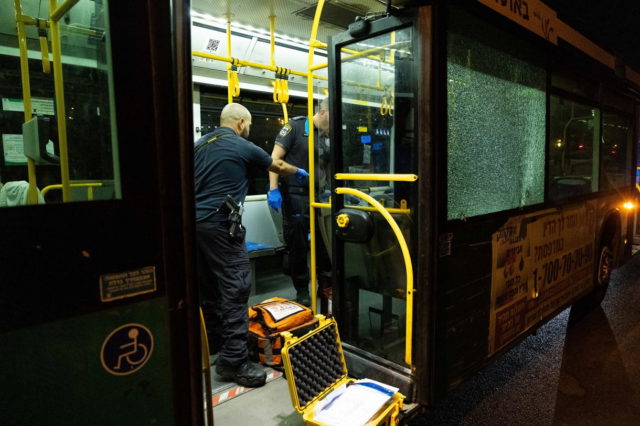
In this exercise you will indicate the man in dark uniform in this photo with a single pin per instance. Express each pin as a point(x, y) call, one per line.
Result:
point(292, 145)
point(221, 162)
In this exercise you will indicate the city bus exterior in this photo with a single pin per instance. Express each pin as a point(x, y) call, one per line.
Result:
point(520, 136)
point(482, 154)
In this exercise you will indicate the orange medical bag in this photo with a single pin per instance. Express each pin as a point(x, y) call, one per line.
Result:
point(267, 320)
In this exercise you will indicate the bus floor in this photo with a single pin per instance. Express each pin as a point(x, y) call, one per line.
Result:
point(271, 284)
point(266, 405)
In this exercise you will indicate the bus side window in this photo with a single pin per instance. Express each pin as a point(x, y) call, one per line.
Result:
point(573, 149)
point(616, 151)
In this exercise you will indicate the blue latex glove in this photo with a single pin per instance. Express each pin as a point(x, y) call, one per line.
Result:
point(302, 176)
point(274, 199)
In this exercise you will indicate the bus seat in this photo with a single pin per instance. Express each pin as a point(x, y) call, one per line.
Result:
point(260, 224)
point(569, 186)
point(264, 236)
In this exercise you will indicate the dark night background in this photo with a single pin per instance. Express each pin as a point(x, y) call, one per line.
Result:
point(613, 25)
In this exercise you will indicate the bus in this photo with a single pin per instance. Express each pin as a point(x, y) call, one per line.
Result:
point(482, 181)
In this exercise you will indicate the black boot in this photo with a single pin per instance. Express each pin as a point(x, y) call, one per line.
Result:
point(247, 374)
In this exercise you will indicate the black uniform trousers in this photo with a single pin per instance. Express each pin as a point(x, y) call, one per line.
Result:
point(295, 227)
point(224, 276)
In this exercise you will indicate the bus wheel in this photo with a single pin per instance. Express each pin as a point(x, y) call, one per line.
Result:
point(606, 263)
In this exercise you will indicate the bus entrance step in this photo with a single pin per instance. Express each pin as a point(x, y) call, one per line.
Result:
point(225, 391)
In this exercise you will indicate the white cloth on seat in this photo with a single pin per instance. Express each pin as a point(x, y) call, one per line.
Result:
point(15, 194)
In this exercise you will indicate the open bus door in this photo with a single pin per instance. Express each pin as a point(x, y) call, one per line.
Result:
point(380, 92)
point(98, 313)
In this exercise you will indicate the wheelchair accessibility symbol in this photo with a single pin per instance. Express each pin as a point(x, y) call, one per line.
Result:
point(126, 349)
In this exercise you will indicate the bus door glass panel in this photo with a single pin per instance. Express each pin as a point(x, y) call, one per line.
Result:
point(88, 97)
point(89, 115)
point(616, 151)
point(379, 136)
point(573, 149)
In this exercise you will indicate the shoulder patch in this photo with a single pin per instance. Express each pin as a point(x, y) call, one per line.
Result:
point(286, 129)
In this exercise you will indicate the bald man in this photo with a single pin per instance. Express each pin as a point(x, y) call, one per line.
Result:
point(221, 162)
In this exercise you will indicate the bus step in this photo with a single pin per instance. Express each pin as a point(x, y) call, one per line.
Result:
point(225, 391)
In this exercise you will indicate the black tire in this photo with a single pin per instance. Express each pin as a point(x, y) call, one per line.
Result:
point(605, 262)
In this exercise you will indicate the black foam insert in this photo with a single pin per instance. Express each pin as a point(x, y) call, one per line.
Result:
point(316, 364)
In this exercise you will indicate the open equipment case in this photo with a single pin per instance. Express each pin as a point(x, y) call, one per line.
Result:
point(315, 367)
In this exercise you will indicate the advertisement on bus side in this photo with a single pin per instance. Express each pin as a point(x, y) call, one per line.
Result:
point(539, 263)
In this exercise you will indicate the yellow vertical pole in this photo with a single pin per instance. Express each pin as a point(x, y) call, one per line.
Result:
point(312, 187)
point(60, 107)
point(229, 79)
point(393, 51)
point(272, 50)
point(32, 196)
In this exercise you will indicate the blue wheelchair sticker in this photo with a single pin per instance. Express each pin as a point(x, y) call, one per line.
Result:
point(126, 349)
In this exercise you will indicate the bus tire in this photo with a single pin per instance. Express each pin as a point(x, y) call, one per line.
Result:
point(605, 262)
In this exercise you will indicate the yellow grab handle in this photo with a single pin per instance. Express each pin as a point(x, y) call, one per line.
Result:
point(285, 92)
point(235, 84)
point(275, 90)
point(384, 106)
point(407, 263)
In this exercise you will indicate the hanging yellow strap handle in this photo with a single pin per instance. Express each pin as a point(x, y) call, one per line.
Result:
point(281, 85)
point(234, 82)
point(285, 86)
point(276, 86)
point(276, 89)
point(384, 106)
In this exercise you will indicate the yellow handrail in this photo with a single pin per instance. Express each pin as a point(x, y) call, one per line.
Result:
point(391, 210)
point(319, 66)
point(377, 176)
point(243, 63)
point(32, 196)
point(272, 41)
point(88, 185)
point(231, 84)
point(357, 54)
point(637, 185)
point(407, 262)
point(57, 12)
point(59, 92)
